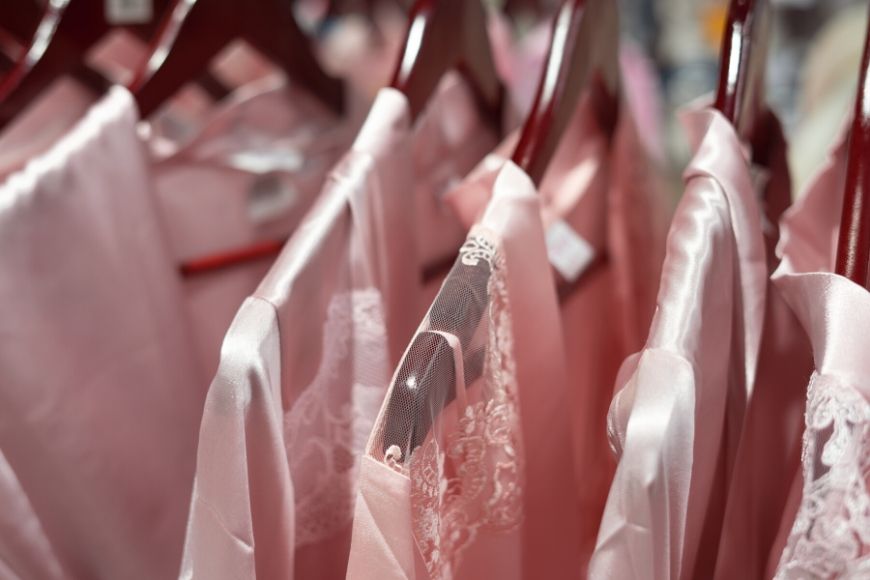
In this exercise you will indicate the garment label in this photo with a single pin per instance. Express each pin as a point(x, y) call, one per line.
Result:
point(271, 197)
point(569, 253)
point(129, 11)
point(267, 159)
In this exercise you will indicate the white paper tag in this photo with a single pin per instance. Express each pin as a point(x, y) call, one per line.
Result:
point(569, 253)
point(263, 160)
point(129, 11)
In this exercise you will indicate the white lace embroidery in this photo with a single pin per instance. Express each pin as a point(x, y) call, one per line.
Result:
point(830, 537)
point(328, 425)
point(477, 248)
point(471, 480)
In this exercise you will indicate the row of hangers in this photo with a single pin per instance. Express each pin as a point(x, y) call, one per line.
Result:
point(442, 35)
point(583, 57)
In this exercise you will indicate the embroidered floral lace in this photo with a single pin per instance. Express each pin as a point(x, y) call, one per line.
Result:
point(830, 537)
point(327, 427)
point(451, 422)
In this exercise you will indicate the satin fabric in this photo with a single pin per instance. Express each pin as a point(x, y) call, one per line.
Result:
point(605, 194)
point(818, 537)
point(248, 175)
point(768, 460)
point(829, 536)
point(84, 420)
point(610, 195)
point(675, 420)
point(25, 550)
point(537, 539)
point(304, 367)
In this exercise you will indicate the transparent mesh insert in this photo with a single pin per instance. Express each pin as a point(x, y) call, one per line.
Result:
point(451, 421)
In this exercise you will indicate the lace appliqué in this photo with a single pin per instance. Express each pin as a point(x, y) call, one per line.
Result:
point(471, 480)
point(830, 537)
point(475, 249)
point(328, 425)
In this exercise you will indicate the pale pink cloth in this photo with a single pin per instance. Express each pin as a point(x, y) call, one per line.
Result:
point(307, 359)
point(825, 530)
point(676, 418)
point(99, 403)
point(768, 459)
point(607, 195)
point(489, 491)
point(830, 537)
point(597, 199)
point(249, 175)
point(25, 550)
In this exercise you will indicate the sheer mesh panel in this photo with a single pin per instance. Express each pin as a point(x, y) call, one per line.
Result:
point(451, 419)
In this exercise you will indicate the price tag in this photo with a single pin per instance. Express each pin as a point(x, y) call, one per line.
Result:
point(120, 12)
point(569, 253)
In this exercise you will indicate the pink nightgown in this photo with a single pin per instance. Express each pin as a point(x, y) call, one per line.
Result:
point(99, 404)
point(25, 551)
point(591, 207)
point(305, 364)
point(768, 460)
point(830, 537)
point(825, 531)
point(675, 420)
point(209, 198)
point(448, 493)
point(606, 218)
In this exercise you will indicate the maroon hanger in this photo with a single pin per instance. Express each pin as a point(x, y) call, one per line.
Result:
point(584, 43)
point(67, 30)
point(583, 55)
point(20, 18)
point(442, 35)
point(193, 32)
point(853, 244)
point(740, 94)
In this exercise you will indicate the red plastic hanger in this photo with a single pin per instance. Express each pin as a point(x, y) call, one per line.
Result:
point(195, 31)
point(67, 30)
point(584, 54)
point(740, 94)
point(853, 244)
point(443, 35)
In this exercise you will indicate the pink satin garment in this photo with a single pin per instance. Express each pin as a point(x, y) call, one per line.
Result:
point(249, 176)
point(479, 497)
point(105, 462)
point(829, 537)
point(824, 532)
point(604, 210)
point(592, 206)
point(681, 400)
point(25, 551)
point(306, 362)
point(768, 460)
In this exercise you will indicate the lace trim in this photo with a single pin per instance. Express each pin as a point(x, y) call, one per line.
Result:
point(477, 248)
point(327, 427)
point(830, 537)
point(471, 480)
